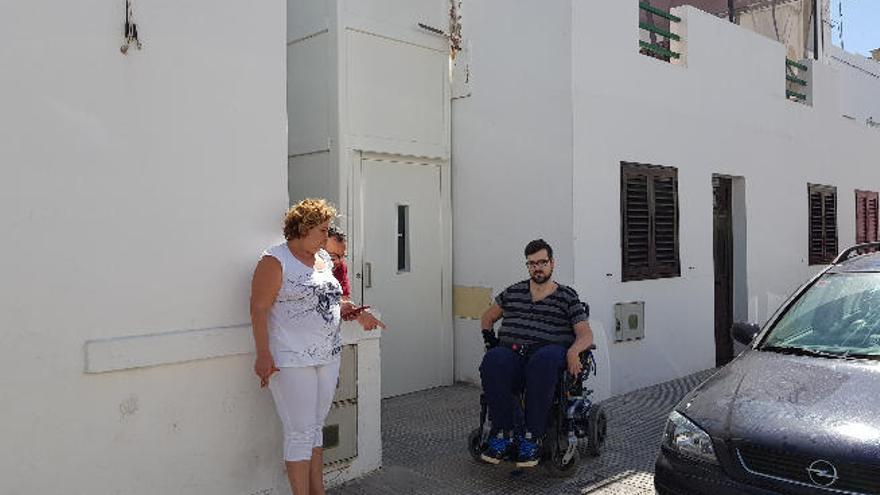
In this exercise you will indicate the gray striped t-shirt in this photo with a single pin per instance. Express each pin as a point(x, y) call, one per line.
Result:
point(548, 321)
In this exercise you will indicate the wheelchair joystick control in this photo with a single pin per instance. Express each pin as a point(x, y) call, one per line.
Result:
point(490, 340)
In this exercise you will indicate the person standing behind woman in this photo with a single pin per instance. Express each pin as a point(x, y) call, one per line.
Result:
point(337, 247)
point(295, 313)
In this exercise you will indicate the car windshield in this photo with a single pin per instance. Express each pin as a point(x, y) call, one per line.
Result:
point(838, 316)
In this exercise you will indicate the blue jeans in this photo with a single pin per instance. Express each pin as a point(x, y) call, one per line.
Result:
point(506, 373)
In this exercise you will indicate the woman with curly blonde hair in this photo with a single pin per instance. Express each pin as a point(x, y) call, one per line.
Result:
point(295, 313)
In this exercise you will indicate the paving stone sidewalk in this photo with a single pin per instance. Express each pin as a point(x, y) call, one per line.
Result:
point(425, 435)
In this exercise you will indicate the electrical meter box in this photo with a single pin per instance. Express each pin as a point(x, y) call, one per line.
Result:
point(346, 387)
point(340, 429)
point(629, 321)
point(340, 433)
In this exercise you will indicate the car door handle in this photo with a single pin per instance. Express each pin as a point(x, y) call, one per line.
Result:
point(368, 275)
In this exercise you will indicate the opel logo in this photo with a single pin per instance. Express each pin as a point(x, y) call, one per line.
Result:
point(822, 473)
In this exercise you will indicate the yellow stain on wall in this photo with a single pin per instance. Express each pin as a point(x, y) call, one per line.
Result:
point(470, 302)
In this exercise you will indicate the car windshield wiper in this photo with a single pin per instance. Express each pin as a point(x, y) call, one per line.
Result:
point(803, 351)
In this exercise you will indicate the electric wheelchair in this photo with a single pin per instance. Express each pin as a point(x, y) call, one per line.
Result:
point(573, 416)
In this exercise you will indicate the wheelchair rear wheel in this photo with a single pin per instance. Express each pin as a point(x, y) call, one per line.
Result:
point(597, 430)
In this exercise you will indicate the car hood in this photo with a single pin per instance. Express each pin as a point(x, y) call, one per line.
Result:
point(804, 403)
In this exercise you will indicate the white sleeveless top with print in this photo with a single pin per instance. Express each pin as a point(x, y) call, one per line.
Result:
point(304, 320)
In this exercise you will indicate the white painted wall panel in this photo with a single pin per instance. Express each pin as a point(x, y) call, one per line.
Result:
point(136, 193)
point(399, 15)
point(312, 176)
point(395, 91)
point(307, 17)
point(859, 84)
point(140, 351)
point(309, 93)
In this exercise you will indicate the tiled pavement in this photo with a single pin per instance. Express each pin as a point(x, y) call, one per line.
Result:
point(425, 435)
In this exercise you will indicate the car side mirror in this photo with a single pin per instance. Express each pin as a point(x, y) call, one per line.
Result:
point(744, 332)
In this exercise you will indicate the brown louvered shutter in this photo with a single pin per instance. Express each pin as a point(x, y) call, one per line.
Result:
point(816, 247)
point(871, 215)
point(861, 221)
point(636, 231)
point(830, 205)
point(666, 226)
point(823, 224)
point(866, 216)
point(649, 221)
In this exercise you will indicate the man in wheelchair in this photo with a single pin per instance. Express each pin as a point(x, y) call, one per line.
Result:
point(544, 330)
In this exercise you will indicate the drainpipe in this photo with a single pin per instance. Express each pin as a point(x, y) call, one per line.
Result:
point(730, 9)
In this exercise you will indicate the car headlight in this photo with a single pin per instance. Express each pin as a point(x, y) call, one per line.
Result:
point(686, 438)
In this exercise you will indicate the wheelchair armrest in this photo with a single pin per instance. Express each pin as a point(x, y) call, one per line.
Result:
point(588, 360)
point(587, 352)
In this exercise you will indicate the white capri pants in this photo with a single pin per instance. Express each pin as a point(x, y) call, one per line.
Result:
point(303, 397)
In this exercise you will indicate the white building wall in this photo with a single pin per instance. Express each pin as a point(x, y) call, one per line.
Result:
point(309, 92)
point(512, 153)
point(393, 83)
point(313, 128)
point(136, 193)
point(363, 78)
point(393, 97)
point(723, 112)
point(859, 85)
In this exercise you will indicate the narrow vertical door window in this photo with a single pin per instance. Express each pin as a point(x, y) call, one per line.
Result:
point(403, 233)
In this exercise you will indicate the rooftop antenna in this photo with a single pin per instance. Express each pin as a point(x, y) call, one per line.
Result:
point(840, 24)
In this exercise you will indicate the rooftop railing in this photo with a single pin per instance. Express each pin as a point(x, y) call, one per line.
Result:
point(795, 81)
point(661, 27)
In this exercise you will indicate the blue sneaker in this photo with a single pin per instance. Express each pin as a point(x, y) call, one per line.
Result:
point(529, 450)
point(498, 448)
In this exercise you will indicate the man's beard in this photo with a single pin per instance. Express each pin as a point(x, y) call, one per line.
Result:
point(542, 278)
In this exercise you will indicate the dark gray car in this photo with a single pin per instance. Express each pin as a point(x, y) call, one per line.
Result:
point(799, 411)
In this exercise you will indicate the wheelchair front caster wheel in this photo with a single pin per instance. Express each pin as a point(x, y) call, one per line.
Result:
point(476, 444)
point(557, 466)
point(556, 445)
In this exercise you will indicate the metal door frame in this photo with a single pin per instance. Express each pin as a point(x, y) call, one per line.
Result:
point(356, 224)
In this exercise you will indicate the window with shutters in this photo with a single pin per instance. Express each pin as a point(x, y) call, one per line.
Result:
point(823, 223)
point(649, 221)
point(866, 216)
